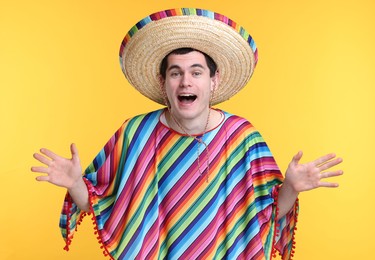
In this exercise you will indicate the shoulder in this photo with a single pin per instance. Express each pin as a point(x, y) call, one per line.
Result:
point(146, 120)
point(237, 122)
point(150, 117)
point(242, 127)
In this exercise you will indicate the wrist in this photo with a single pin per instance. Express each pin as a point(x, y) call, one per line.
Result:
point(78, 184)
point(289, 187)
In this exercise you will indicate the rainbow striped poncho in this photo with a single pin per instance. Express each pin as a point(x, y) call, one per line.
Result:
point(149, 200)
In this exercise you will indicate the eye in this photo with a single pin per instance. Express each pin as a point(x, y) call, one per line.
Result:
point(197, 73)
point(175, 74)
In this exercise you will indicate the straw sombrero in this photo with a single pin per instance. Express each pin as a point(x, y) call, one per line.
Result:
point(152, 38)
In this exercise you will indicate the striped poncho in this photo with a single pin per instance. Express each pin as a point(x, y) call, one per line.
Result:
point(151, 199)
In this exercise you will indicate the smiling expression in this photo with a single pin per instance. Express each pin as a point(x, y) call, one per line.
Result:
point(188, 85)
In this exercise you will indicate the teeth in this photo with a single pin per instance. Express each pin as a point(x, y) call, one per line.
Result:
point(187, 97)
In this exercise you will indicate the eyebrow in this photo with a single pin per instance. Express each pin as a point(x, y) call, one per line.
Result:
point(192, 66)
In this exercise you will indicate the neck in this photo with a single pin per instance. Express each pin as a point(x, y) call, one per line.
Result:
point(193, 126)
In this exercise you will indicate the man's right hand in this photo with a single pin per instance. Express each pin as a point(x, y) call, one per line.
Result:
point(60, 171)
point(63, 172)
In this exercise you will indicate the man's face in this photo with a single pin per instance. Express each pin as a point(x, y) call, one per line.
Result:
point(188, 85)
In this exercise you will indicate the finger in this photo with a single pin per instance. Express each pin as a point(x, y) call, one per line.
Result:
point(39, 169)
point(42, 178)
point(297, 158)
point(330, 164)
point(42, 159)
point(50, 154)
point(328, 184)
point(324, 159)
point(331, 174)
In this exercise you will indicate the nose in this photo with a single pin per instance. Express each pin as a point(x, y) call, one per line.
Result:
point(185, 81)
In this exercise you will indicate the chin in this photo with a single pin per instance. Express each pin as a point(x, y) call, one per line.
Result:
point(186, 114)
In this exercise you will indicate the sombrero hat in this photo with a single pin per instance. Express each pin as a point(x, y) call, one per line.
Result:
point(152, 38)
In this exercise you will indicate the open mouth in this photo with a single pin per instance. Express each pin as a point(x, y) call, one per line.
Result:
point(187, 98)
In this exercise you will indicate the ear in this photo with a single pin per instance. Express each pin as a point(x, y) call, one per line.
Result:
point(161, 82)
point(162, 90)
point(215, 81)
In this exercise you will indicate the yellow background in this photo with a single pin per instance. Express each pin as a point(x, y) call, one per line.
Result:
point(313, 89)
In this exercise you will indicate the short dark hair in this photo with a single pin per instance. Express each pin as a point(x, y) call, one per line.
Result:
point(210, 62)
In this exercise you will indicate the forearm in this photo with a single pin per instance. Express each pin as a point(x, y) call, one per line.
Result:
point(80, 195)
point(286, 200)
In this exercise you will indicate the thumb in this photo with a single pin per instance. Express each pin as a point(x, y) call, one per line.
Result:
point(297, 158)
point(74, 152)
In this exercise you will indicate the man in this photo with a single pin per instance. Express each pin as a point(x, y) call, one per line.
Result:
point(188, 181)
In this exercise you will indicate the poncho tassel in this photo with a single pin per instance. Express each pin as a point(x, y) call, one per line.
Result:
point(277, 226)
point(69, 235)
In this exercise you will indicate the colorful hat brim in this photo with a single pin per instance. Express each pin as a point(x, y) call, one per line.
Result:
point(155, 36)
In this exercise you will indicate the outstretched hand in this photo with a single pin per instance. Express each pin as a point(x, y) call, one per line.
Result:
point(311, 175)
point(59, 171)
